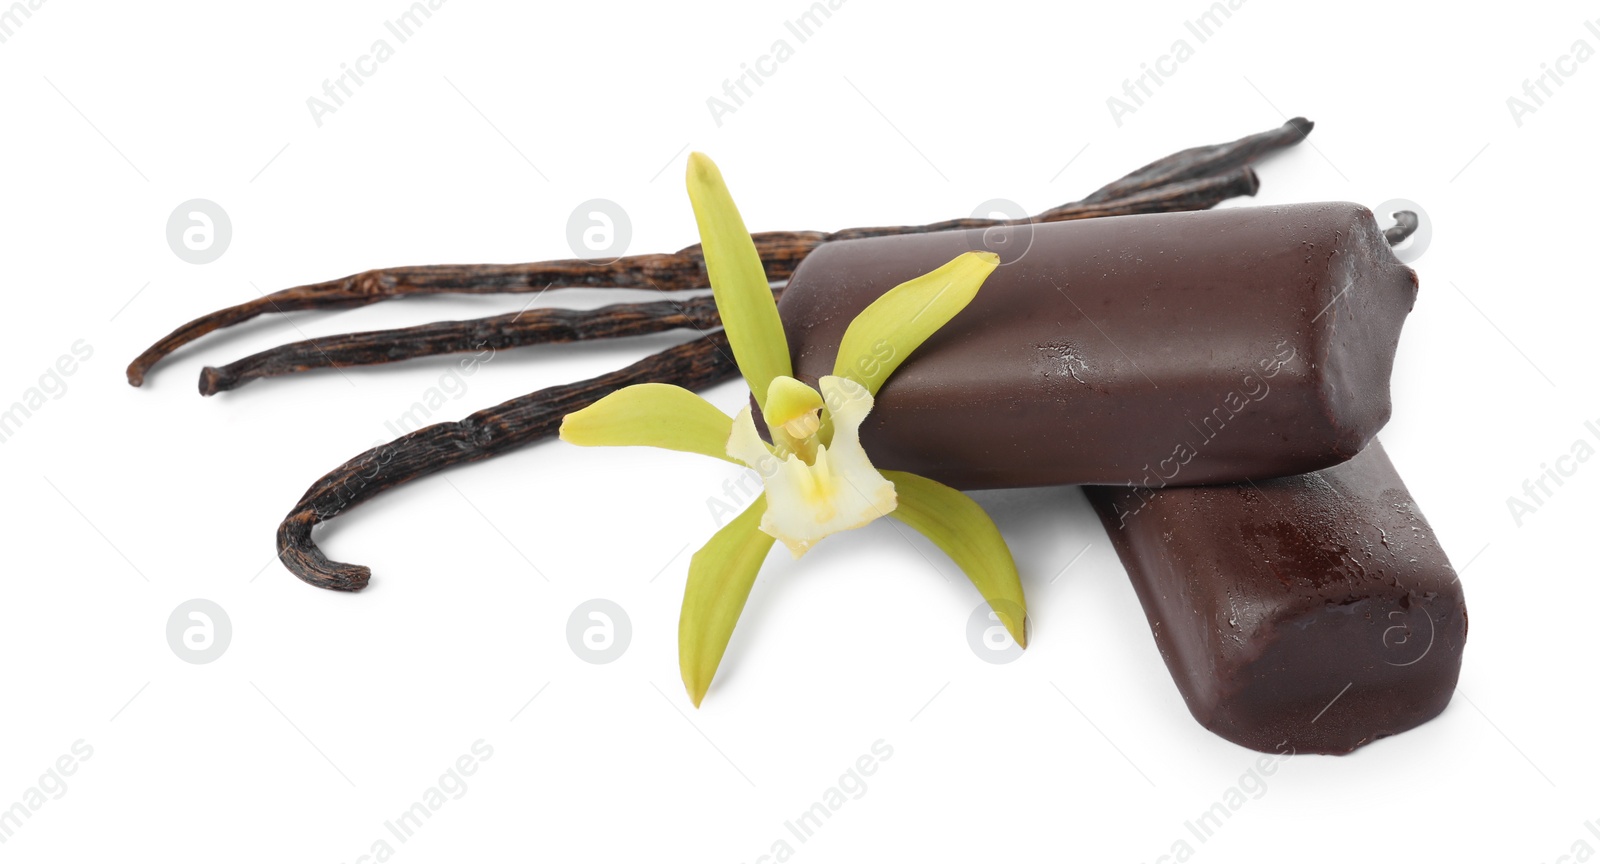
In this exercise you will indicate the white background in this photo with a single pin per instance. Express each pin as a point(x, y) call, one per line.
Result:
point(331, 713)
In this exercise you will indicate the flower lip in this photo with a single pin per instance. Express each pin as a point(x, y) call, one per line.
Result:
point(813, 488)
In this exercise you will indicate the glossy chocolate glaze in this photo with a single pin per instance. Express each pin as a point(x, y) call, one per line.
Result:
point(1167, 349)
point(1314, 612)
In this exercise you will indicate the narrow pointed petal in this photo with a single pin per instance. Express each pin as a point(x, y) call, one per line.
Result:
point(720, 576)
point(956, 524)
point(886, 332)
point(651, 415)
point(744, 297)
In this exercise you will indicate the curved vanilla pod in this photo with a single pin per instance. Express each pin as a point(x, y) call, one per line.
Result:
point(1405, 224)
point(482, 435)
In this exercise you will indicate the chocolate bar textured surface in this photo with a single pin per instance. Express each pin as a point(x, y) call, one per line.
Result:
point(1315, 612)
point(1166, 349)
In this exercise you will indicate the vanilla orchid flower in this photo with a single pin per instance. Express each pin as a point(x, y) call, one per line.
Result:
point(816, 477)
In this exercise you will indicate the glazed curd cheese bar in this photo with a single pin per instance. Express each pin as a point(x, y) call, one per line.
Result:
point(1163, 349)
point(1314, 612)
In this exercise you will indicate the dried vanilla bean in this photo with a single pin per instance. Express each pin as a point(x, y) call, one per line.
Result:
point(487, 433)
point(545, 326)
point(1205, 161)
point(684, 270)
point(529, 327)
point(1405, 224)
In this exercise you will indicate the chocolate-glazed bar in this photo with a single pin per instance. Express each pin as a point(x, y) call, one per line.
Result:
point(1314, 612)
point(1151, 350)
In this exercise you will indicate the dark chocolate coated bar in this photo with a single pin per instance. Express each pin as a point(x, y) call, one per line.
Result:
point(1152, 350)
point(1314, 612)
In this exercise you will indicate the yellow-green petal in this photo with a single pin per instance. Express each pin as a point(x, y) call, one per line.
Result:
point(720, 576)
point(886, 332)
point(956, 524)
point(651, 415)
point(744, 297)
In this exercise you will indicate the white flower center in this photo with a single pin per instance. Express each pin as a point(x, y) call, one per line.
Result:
point(836, 489)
